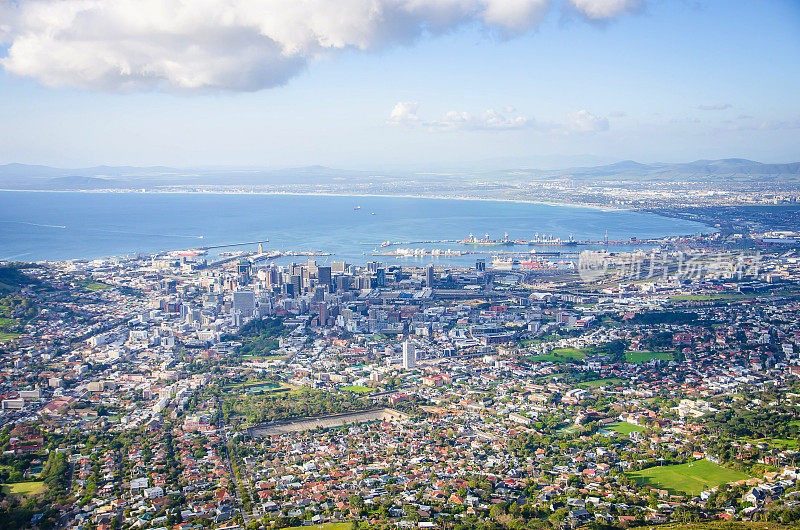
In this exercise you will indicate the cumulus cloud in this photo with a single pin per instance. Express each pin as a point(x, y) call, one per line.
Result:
point(491, 120)
point(777, 125)
point(718, 106)
point(606, 9)
point(221, 44)
point(585, 121)
point(404, 113)
point(239, 45)
point(582, 121)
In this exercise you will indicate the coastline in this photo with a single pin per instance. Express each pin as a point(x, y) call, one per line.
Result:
point(346, 198)
point(353, 195)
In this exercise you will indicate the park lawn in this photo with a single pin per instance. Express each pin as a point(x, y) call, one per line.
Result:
point(597, 383)
point(358, 389)
point(644, 356)
point(326, 526)
point(98, 286)
point(691, 478)
point(706, 297)
point(247, 384)
point(23, 488)
point(7, 337)
point(623, 427)
point(572, 353)
point(789, 443)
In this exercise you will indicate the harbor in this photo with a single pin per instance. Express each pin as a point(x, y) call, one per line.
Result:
point(536, 240)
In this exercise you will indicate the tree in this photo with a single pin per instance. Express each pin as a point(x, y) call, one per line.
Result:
point(356, 502)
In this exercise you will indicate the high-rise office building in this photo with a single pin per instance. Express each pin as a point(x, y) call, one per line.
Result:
point(324, 276)
point(480, 265)
point(297, 288)
point(319, 293)
point(409, 355)
point(342, 283)
point(244, 302)
point(243, 271)
point(429, 276)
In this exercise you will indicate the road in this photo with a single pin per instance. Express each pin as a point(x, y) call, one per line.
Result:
point(223, 432)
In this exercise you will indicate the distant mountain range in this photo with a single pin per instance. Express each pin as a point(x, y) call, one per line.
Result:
point(33, 177)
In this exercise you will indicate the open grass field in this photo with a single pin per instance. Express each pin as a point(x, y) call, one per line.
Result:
point(644, 356)
point(251, 383)
point(358, 389)
point(597, 383)
point(98, 286)
point(707, 297)
point(777, 442)
point(6, 337)
point(571, 353)
point(623, 427)
point(691, 478)
point(252, 387)
point(559, 355)
point(23, 488)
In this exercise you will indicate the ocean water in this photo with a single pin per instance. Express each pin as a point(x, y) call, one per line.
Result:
point(64, 225)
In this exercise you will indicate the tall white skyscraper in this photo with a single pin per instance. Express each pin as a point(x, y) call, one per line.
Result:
point(409, 356)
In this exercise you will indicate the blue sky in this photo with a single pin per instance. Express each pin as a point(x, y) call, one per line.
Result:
point(651, 81)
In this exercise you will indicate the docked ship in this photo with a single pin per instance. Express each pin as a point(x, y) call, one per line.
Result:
point(545, 239)
point(485, 241)
point(505, 263)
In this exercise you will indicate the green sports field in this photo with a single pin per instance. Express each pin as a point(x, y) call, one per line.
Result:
point(623, 427)
point(692, 477)
point(358, 389)
point(644, 356)
point(23, 488)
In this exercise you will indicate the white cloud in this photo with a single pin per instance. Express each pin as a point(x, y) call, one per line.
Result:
point(491, 120)
point(585, 121)
point(718, 106)
point(183, 45)
point(582, 121)
point(515, 15)
point(404, 113)
point(774, 125)
point(605, 9)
